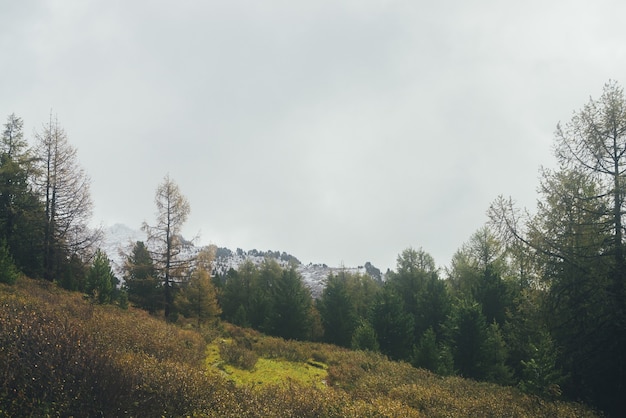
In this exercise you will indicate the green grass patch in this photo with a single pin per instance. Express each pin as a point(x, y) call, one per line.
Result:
point(268, 371)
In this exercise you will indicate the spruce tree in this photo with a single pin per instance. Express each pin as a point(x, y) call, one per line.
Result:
point(291, 307)
point(338, 312)
point(101, 281)
point(140, 279)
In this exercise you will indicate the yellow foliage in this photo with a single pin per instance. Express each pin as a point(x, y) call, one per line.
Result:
point(62, 356)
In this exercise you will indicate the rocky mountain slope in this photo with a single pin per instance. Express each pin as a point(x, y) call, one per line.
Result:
point(119, 239)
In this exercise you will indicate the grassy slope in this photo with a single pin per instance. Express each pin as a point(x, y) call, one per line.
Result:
point(61, 355)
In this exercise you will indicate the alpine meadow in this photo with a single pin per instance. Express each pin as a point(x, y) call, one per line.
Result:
point(527, 320)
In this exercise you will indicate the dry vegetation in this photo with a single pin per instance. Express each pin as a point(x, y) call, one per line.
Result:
point(62, 356)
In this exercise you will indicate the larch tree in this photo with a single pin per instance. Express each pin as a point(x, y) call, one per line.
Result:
point(197, 297)
point(577, 238)
point(164, 238)
point(65, 190)
point(594, 142)
point(477, 272)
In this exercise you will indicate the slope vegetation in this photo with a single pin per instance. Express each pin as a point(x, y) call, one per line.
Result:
point(61, 355)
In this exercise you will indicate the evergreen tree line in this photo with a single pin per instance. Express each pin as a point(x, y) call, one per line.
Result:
point(533, 300)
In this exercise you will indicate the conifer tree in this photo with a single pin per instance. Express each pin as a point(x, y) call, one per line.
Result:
point(101, 282)
point(393, 325)
point(236, 295)
point(466, 332)
point(197, 297)
point(64, 189)
point(426, 354)
point(364, 337)
point(425, 297)
point(21, 213)
point(140, 279)
point(291, 306)
point(336, 307)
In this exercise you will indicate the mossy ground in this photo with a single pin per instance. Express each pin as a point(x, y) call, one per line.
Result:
point(269, 371)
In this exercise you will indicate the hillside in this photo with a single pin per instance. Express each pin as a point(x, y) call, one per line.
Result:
point(120, 237)
point(65, 356)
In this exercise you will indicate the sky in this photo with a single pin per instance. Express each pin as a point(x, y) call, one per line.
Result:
point(339, 131)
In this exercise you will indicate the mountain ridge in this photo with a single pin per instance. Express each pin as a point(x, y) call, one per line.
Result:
point(119, 239)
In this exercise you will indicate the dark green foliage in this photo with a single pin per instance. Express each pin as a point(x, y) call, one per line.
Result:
point(260, 302)
point(21, 212)
point(339, 314)
point(393, 325)
point(291, 307)
point(493, 295)
point(581, 231)
point(140, 279)
point(477, 273)
point(579, 271)
point(541, 374)
point(433, 356)
point(73, 275)
point(101, 283)
point(364, 337)
point(426, 353)
point(425, 297)
point(496, 369)
point(236, 295)
point(268, 298)
point(8, 271)
point(466, 332)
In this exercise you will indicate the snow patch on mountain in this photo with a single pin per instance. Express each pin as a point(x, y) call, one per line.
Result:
point(119, 240)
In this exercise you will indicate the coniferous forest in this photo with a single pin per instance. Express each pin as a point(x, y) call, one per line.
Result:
point(533, 304)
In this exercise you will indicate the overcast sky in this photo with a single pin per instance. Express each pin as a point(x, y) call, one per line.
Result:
point(338, 131)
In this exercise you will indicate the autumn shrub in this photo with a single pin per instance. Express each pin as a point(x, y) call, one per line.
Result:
point(49, 364)
point(139, 332)
point(60, 355)
point(456, 397)
point(54, 364)
point(237, 355)
point(272, 347)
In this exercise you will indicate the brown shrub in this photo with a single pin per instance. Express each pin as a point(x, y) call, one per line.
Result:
point(237, 355)
point(62, 356)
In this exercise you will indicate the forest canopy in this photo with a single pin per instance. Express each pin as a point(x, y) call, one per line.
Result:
point(536, 298)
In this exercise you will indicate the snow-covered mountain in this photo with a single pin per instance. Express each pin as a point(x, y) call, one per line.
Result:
point(119, 239)
point(313, 275)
